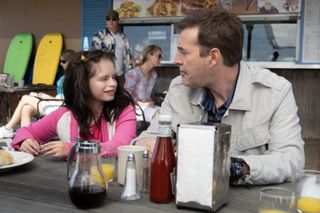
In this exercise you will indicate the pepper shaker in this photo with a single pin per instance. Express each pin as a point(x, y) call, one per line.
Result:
point(145, 172)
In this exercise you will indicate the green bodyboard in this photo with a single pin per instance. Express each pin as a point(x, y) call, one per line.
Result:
point(18, 56)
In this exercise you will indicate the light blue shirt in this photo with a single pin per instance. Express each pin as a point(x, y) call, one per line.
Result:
point(59, 87)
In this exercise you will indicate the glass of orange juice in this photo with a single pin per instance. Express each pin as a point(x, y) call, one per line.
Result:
point(109, 163)
point(309, 192)
point(276, 200)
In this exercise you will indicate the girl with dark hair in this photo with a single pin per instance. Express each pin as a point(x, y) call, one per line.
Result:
point(95, 107)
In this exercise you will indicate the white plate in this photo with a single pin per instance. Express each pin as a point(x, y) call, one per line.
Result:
point(20, 158)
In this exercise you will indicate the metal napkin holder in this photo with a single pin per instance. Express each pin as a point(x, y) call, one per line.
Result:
point(203, 166)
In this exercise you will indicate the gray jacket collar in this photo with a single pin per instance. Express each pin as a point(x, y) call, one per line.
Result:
point(197, 96)
point(242, 97)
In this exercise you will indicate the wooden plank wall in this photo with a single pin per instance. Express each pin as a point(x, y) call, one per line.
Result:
point(306, 87)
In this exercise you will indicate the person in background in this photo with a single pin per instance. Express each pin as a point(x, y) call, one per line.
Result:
point(112, 40)
point(95, 107)
point(216, 86)
point(28, 105)
point(141, 79)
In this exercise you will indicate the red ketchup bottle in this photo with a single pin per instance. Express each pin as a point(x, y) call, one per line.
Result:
point(162, 163)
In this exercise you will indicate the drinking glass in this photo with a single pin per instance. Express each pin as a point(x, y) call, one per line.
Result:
point(10, 81)
point(276, 200)
point(109, 163)
point(309, 192)
point(3, 79)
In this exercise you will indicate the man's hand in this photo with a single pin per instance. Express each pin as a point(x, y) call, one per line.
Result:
point(30, 146)
point(55, 149)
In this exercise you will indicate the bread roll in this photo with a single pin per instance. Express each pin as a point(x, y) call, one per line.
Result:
point(6, 158)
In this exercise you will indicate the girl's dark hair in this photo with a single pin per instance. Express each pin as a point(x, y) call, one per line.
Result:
point(77, 95)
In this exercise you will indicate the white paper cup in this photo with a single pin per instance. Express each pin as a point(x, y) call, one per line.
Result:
point(123, 152)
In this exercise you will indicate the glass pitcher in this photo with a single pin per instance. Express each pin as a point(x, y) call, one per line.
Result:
point(87, 183)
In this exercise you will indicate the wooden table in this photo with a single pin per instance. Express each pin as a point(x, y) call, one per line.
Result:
point(41, 186)
point(7, 93)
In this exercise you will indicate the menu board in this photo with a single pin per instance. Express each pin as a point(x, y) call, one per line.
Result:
point(147, 8)
point(234, 6)
point(130, 9)
point(159, 8)
point(163, 8)
point(278, 6)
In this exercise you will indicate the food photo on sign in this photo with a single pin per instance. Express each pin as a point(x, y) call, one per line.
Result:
point(163, 8)
point(129, 9)
point(190, 6)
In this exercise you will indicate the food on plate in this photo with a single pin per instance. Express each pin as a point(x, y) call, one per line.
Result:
point(129, 9)
point(164, 8)
point(190, 6)
point(6, 158)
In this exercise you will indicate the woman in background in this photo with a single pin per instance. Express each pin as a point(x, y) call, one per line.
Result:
point(141, 79)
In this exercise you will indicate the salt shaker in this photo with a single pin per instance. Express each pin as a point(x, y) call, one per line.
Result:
point(145, 172)
point(131, 189)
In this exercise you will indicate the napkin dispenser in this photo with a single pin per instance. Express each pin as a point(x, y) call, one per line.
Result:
point(203, 166)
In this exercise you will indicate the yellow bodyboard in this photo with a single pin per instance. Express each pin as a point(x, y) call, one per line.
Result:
point(47, 59)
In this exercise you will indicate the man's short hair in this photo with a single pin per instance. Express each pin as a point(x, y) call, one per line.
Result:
point(220, 29)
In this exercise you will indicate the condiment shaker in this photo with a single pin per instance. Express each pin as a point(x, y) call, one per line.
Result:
point(145, 172)
point(131, 189)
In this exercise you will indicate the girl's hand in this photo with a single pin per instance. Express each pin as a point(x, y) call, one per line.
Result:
point(30, 146)
point(55, 149)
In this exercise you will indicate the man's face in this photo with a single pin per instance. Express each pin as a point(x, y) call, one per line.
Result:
point(113, 23)
point(193, 68)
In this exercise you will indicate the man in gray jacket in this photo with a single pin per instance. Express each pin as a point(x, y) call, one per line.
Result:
point(215, 86)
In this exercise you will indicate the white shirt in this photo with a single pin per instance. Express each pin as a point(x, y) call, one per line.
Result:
point(120, 47)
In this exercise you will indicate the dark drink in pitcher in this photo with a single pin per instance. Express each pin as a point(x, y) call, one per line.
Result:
point(87, 185)
point(86, 199)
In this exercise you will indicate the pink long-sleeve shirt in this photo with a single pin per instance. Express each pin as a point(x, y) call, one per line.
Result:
point(62, 124)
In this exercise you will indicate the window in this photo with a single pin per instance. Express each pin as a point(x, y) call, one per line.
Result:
point(140, 36)
point(270, 42)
